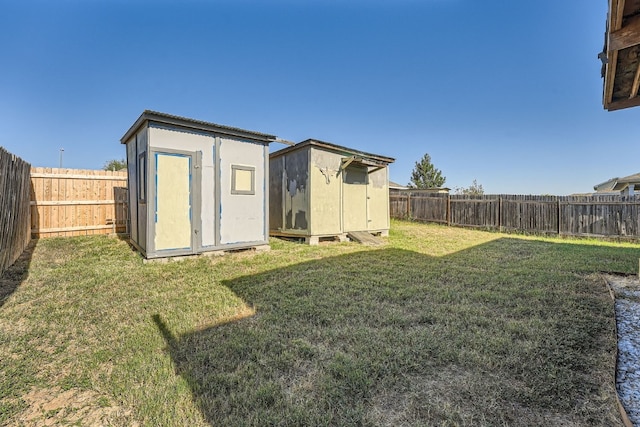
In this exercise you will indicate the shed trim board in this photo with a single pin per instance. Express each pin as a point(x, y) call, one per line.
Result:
point(265, 183)
point(199, 158)
point(217, 191)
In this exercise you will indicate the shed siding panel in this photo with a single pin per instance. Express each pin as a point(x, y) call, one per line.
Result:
point(296, 190)
point(326, 191)
point(242, 216)
point(142, 139)
point(276, 174)
point(132, 172)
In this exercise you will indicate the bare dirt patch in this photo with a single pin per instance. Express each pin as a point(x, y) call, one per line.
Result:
point(54, 406)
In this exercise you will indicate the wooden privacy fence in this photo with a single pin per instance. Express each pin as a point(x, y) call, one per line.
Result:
point(72, 202)
point(599, 216)
point(14, 208)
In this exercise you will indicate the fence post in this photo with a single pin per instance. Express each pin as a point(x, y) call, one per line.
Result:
point(559, 217)
point(448, 210)
point(408, 205)
point(500, 214)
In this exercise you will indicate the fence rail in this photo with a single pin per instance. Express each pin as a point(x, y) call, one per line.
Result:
point(14, 208)
point(72, 202)
point(604, 216)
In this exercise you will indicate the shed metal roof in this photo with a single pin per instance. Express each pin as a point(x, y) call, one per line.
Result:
point(149, 116)
point(345, 151)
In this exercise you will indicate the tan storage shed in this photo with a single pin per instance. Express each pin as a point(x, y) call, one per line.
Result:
point(195, 186)
point(320, 190)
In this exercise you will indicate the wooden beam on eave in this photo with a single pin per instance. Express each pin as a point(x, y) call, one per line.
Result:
point(636, 83)
point(614, 23)
point(616, 12)
point(626, 36)
point(623, 103)
point(610, 77)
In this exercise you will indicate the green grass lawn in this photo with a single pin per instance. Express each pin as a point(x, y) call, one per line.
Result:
point(442, 326)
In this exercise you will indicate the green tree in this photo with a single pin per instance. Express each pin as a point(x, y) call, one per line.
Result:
point(474, 189)
point(425, 175)
point(115, 165)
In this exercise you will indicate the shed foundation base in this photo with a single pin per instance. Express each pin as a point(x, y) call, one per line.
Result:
point(318, 238)
point(210, 254)
point(315, 240)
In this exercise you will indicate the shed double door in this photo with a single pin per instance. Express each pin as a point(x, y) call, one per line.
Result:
point(175, 231)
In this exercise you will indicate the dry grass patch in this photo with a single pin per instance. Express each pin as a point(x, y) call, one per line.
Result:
point(51, 407)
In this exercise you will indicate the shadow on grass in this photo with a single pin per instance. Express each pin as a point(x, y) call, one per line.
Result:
point(508, 332)
point(13, 276)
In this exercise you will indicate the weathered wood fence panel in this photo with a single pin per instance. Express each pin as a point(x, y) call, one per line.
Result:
point(469, 211)
point(604, 216)
point(598, 218)
point(72, 202)
point(434, 207)
point(14, 208)
point(535, 214)
point(399, 206)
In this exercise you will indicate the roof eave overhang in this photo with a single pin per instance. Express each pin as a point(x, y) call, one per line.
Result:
point(154, 117)
point(372, 159)
point(622, 32)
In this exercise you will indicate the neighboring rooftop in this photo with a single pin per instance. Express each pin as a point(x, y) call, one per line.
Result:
point(617, 184)
point(396, 185)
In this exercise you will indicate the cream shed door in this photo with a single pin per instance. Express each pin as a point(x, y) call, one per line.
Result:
point(173, 224)
point(354, 199)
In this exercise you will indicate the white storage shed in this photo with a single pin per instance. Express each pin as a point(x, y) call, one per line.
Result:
point(195, 186)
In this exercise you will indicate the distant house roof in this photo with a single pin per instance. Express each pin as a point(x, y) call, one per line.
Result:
point(434, 190)
point(184, 122)
point(621, 55)
point(395, 185)
point(617, 184)
point(362, 156)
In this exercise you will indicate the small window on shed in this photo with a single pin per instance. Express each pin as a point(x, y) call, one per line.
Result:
point(142, 177)
point(243, 179)
point(355, 175)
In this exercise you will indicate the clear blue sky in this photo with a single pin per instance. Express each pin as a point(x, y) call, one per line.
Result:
point(505, 92)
